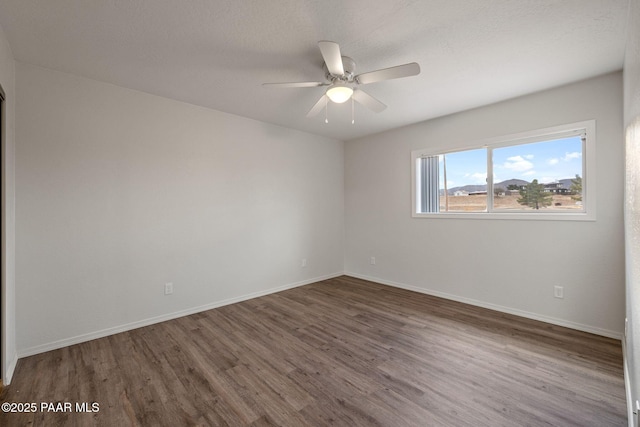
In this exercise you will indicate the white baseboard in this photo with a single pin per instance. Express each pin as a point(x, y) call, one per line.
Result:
point(503, 309)
point(11, 368)
point(153, 320)
point(627, 385)
point(174, 315)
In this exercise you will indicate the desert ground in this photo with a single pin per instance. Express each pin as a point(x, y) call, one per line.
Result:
point(478, 203)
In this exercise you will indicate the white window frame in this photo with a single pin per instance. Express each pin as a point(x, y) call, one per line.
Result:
point(588, 212)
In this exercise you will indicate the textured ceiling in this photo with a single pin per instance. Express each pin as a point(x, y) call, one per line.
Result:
point(217, 53)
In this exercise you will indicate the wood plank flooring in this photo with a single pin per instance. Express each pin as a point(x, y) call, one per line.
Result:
point(343, 352)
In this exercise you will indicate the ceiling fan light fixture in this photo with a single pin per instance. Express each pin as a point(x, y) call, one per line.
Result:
point(339, 93)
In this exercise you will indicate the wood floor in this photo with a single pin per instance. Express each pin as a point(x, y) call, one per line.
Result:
point(340, 352)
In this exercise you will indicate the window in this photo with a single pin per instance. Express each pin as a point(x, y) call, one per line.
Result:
point(539, 174)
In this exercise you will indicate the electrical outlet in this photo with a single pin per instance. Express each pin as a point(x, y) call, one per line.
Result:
point(168, 288)
point(303, 263)
point(558, 291)
point(372, 261)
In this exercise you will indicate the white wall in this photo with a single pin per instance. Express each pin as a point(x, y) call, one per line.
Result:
point(7, 80)
point(510, 265)
point(632, 65)
point(632, 201)
point(119, 192)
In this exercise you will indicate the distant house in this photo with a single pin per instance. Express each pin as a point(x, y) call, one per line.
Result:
point(460, 193)
point(556, 188)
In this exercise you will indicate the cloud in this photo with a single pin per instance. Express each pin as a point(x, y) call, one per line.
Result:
point(570, 156)
point(478, 177)
point(529, 173)
point(518, 164)
point(553, 161)
point(528, 156)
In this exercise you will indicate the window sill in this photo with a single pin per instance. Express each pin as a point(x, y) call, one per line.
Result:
point(525, 216)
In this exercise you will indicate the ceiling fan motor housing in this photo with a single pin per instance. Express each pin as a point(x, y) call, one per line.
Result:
point(349, 66)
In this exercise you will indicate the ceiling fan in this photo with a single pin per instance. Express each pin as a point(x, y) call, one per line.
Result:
point(343, 83)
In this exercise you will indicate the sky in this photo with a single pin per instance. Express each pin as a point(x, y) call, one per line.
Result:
point(546, 161)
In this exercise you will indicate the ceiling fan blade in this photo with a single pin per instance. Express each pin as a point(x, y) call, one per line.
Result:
point(368, 101)
point(296, 84)
point(319, 106)
point(332, 57)
point(396, 72)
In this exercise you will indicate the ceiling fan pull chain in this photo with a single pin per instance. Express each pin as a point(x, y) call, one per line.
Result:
point(353, 118)
point(326, 118)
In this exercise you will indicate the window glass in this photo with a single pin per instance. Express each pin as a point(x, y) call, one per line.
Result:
point(538, 176)
point(463, 181)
